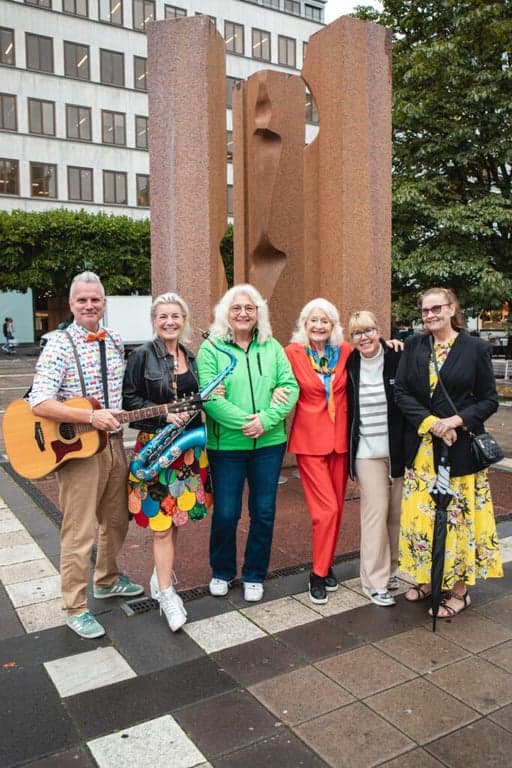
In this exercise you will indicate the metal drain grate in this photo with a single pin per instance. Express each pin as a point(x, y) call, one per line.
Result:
point(138, 605)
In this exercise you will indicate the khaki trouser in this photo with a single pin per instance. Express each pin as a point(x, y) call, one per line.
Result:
point(380, 521)
point(92, 491)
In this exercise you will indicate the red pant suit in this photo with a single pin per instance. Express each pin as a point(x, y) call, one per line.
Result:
point(321, 447)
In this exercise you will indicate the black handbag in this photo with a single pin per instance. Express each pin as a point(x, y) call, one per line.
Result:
point(484, 448)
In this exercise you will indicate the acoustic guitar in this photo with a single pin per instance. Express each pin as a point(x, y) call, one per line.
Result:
point(37, 446)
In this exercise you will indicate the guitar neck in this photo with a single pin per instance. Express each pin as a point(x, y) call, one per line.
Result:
point(144, 413)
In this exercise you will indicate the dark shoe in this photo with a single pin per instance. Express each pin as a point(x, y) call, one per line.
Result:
point(450, 612)
point(418, 592)
point(317, 591)
point(331, 582)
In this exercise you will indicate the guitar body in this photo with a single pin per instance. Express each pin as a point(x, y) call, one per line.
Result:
point(37, 446)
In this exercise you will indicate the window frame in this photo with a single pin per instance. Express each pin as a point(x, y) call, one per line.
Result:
point(179, 13)
point(116, 175)
point(142, 5)
point(287, 41)
point(7, 32)
point(139, 189)
point(235, 31)
point(293, 7)
point(47, 165)
point(231, 81)
point(145, 125)
point(4, 109)
point(39, 39)
point(79, 54)
point(75, 12)
point(137, 75)
point(117, 6)
point(79, 121)
point(115, 58)
point(82, 197)
point(41, 103)
point(256, 31)
point(113, 114)
point(16, 179)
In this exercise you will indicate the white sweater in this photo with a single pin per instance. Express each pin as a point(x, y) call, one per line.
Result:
point(373, 408)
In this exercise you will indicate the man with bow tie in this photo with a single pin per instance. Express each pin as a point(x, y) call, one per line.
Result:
point(88, 361)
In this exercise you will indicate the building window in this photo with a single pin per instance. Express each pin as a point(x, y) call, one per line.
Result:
point(140, 73)
point(114, 187)
point(40, 3)
point(143, 11)
point(7, 46)
point(111, 11)
point(230, 199)
point(111, 67)
point(286, 51)
point(173, 12)
point(311, 110)
point(39, 52)
point(311, 12)
point(80, 184)
point(292, 6)
point(213, 20)
point(43, 180)
point(234, 37)
point(230, 84)
point(261, 44)
point(76, 7)
point(304, 50)
point(78, 122)
point(76, 60)
point(143, 190)
point(8, 120)
point(41, 117)
point(141, 132)
point(229, 146)
point(9, 183)
point(271, 3)
point(113, 128)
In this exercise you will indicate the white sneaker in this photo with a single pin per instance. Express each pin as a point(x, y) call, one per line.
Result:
point(155, 589)
point(218, 587)
point(253, 592)
point(172, 608)
point(379, 596)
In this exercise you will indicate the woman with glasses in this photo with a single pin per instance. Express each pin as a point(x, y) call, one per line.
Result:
point(246, 435)
point(444, 364)
point(375, 454)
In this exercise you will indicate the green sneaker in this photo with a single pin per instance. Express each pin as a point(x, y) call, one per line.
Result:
point(85, 625)
point(123, 587)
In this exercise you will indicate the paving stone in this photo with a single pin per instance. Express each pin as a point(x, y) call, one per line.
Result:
point(227, 723)
point(33, 720)
point(72, 758)
point(501, 655)
point(146, 641)
point(148, 745)
point(502, 717)
point(473, 631)
point(506, 549)
point(38, 590)
point(39, 616)
point(20, 553)
point(339, 739)
point(481, 744)
point(417, 758)
point(283, 749)
point(10, 625)
point(421, 710)
point(373, 622)
point(365, 671)
point(278, 615)
point(222, 631)
point(301, 695)
point(89, 670)
point(421, 649)
point(499, 611)
point(46, 645)
point(34, 569)
point(478, 683)
point(8, 524)
point(340, 601)
point(319, 639)
point(147, 696)
point(258, 660)
point(16, 538)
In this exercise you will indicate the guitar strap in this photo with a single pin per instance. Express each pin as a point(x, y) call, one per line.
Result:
point(103, 360)
point(78, 365)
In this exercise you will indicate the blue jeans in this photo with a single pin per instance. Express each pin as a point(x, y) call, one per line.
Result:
point(229, 470)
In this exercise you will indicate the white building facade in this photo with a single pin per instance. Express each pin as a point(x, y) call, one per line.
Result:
point(73, 99)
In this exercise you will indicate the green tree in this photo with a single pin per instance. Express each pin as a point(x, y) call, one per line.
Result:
point(452, 147)
point(43, 251)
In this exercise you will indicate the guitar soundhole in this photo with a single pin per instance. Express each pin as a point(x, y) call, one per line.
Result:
point(67, 431)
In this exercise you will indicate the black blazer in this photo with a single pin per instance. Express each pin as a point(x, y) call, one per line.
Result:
point(468, 377)
point(395, 417)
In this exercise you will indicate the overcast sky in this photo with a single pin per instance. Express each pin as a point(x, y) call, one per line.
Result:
point(335, 8)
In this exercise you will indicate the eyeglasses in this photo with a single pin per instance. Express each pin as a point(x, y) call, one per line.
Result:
point(237, 309)
point(368, 332)
point(435, 310)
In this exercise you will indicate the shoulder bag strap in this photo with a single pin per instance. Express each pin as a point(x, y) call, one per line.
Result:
point(78, 365)
point(439, 376)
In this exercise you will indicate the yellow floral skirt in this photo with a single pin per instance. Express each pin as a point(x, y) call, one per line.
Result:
point(472, 548)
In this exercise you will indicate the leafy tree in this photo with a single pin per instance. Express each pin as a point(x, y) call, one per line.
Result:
point(452, 148)
point(226, 250)
point(44, 251)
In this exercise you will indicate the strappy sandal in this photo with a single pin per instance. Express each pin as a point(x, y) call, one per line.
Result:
point(451, 612)
point(421, 593)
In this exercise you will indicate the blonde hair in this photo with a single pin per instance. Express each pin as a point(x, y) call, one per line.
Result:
point(361, 320)
point(300, 336)
point(174, 298)
point(457, 319)
point(221, 329)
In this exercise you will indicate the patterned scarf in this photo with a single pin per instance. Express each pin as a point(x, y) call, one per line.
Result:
point(325, 366)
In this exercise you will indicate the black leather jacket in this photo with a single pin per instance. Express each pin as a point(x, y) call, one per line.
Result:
point(148, 381)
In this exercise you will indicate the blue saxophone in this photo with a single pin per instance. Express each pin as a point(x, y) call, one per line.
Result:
point(170, 442)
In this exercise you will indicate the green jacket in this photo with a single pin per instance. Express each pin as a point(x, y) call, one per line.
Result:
point(249, 388)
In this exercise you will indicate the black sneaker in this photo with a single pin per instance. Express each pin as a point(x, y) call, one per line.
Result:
point(331, 582)
point(317, 591)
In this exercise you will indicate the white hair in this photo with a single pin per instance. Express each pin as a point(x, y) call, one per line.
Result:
point(86, 277)
point(174, 298)
point(300, 335)
point(221, 329)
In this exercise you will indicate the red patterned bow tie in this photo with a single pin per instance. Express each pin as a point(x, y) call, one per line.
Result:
point(96, 336)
